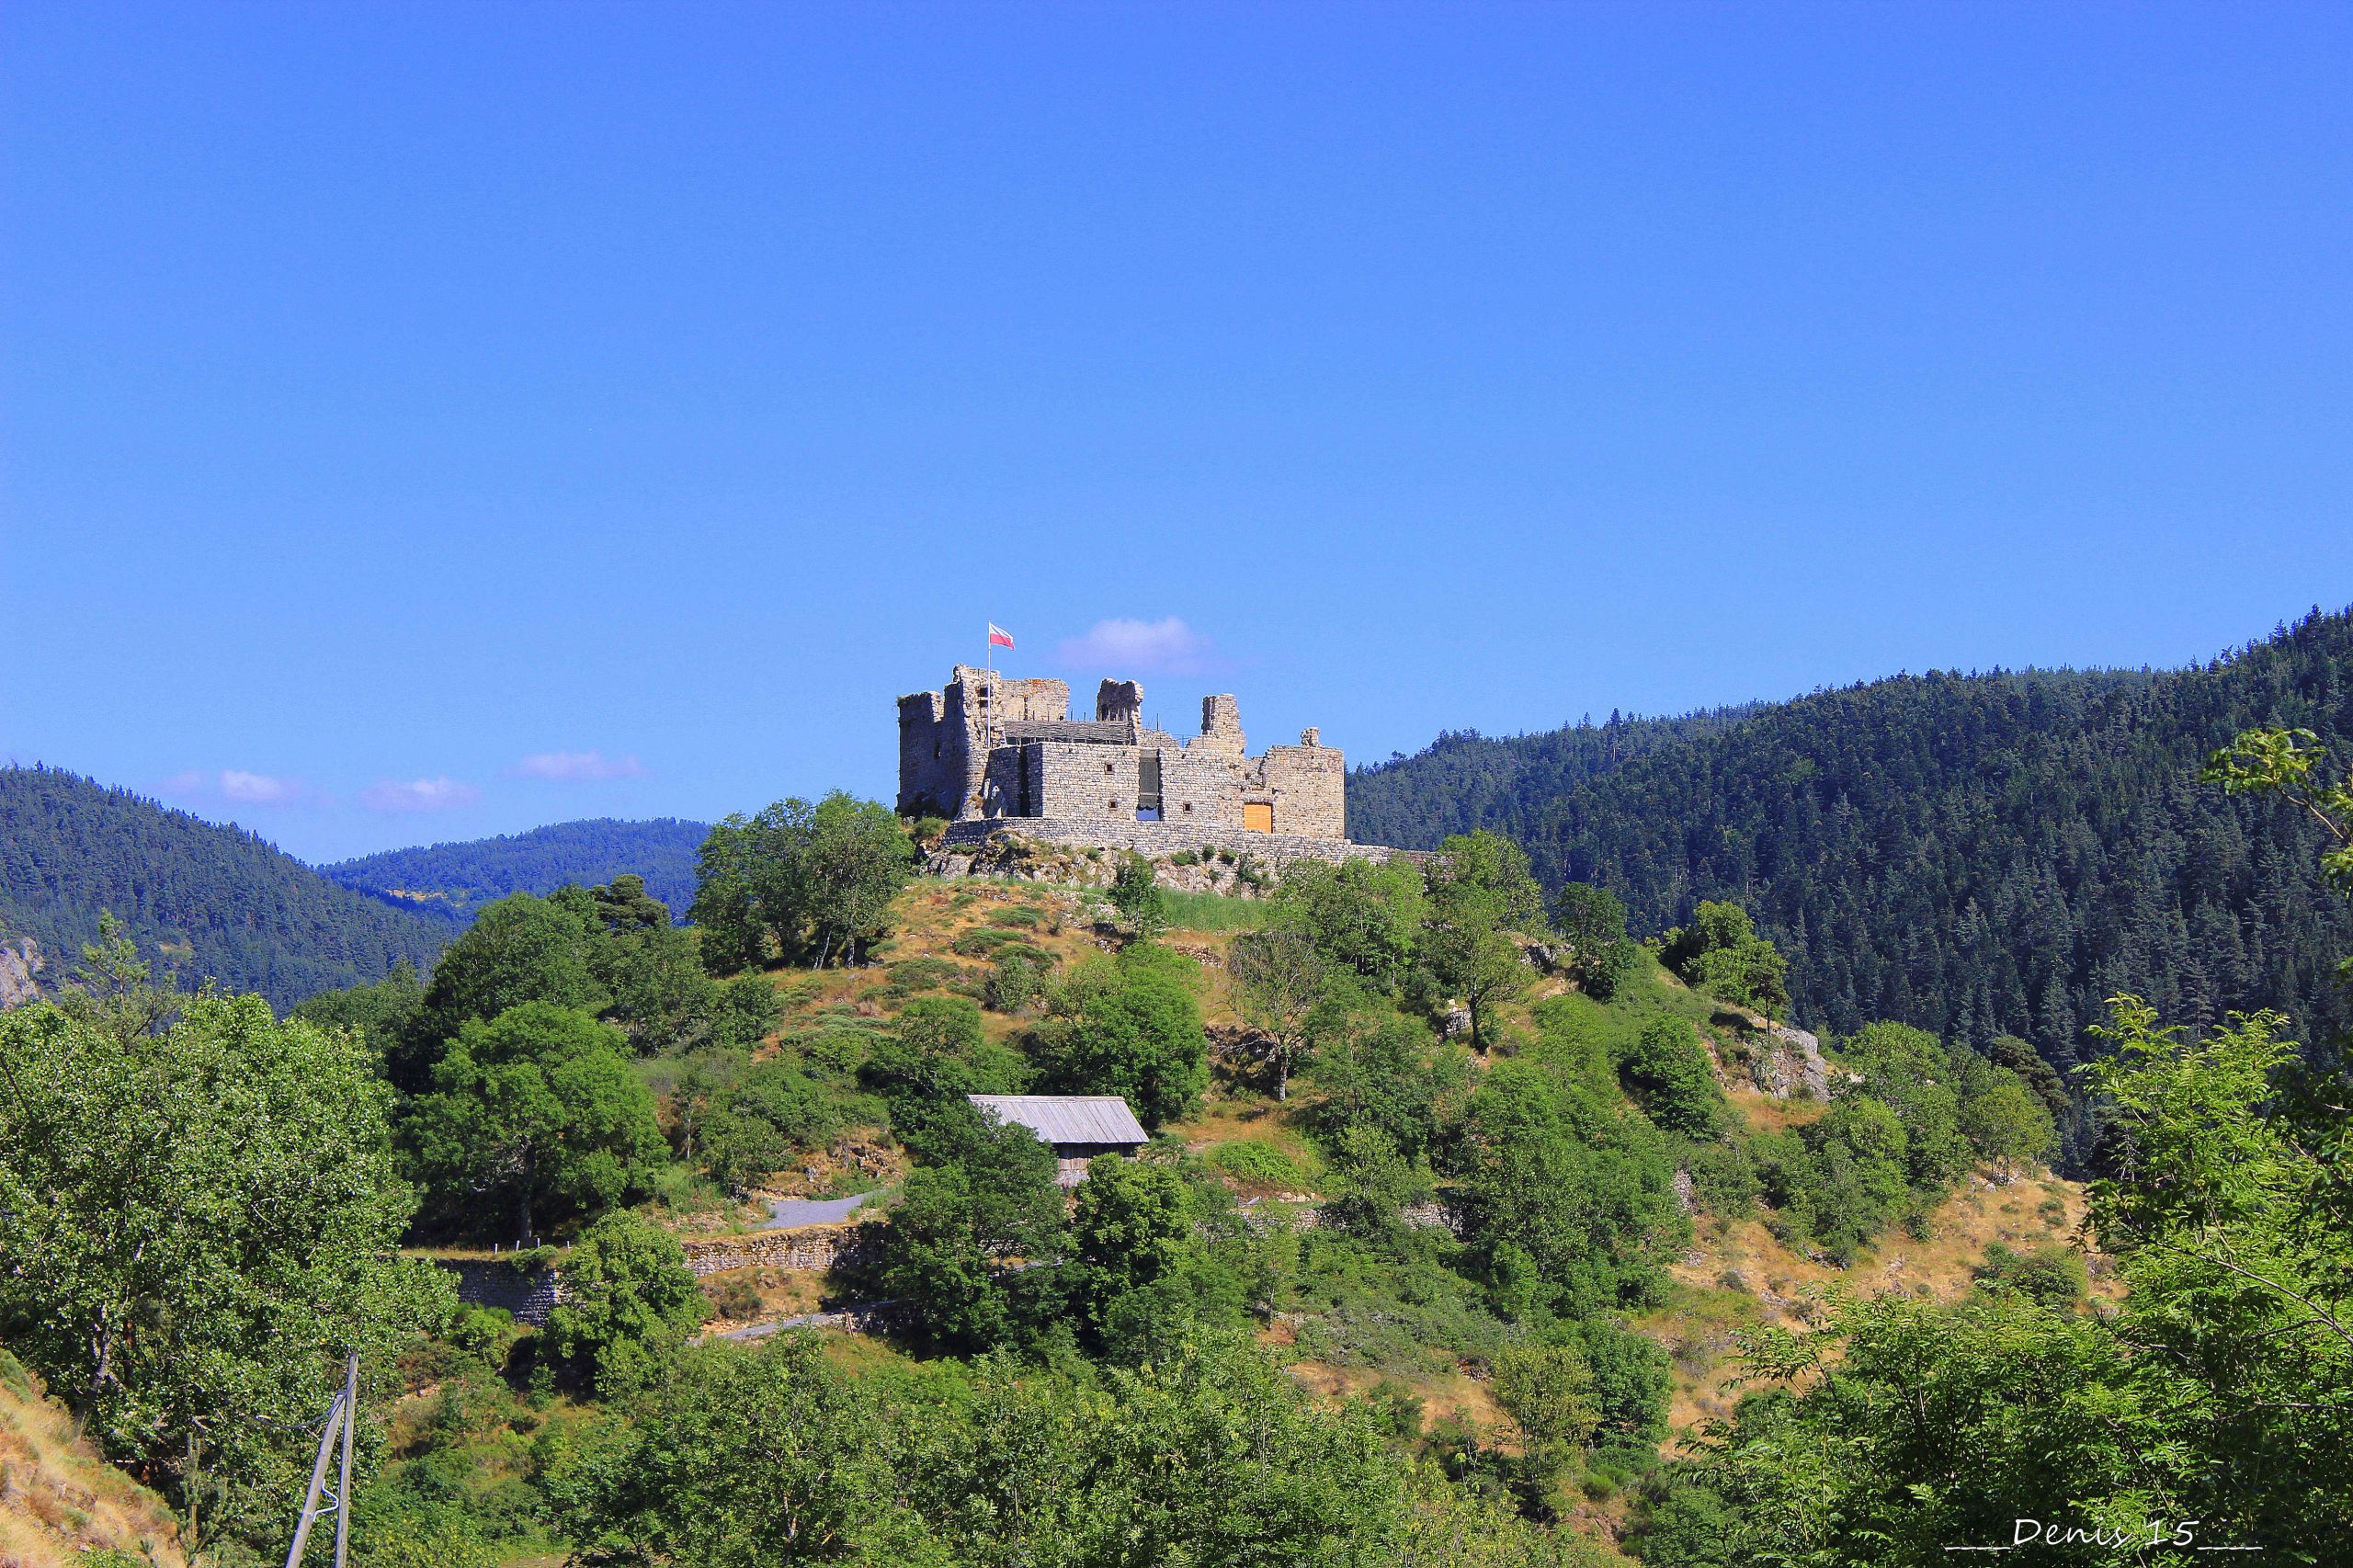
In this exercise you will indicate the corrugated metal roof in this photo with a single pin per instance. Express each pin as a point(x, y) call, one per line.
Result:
point(1068, 1118)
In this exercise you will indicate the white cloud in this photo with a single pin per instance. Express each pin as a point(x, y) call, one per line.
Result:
point(418, 795)
point(1122, 648)
point(237, 787)
point(571, 766)
point(261, 789)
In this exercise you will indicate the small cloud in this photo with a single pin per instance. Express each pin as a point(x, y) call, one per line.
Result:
point(261, 789)
point(418, 795)
point(1140, 647)
point(571, 766)
point(237, 787)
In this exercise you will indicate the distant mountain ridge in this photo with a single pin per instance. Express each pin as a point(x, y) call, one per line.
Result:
point(1975, 854)
point(449, 882)
point(216, 903)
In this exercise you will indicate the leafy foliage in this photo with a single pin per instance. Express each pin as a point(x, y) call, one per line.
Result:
point(534, 1117)
point(628, 1303)
point(198, 1223)
point(799, 882)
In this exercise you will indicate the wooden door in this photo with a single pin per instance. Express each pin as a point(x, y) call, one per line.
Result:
point(1258, 816)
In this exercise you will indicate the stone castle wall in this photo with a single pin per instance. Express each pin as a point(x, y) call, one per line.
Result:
point(1068, 773)
point(965, 840)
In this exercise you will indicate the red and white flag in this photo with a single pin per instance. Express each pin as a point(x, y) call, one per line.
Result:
point(999, 637)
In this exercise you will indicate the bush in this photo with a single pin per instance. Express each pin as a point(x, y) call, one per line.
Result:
point(1258, 1167)
point(2049, 1276)
point(1667, 1072)
point(630, 1303)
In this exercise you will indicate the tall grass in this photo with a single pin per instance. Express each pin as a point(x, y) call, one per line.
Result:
point(1215, 912)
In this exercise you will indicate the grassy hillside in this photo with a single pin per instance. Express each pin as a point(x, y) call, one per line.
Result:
point(1409, 1329)
point(450, 881)
point(1976, 854)
point(216, 903)
point(59, 1504)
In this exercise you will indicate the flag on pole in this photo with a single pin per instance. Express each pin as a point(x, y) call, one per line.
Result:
point(999, 637)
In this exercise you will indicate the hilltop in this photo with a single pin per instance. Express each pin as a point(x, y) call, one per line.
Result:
point(450, 881)
point(1973, 854)
point(215, 904)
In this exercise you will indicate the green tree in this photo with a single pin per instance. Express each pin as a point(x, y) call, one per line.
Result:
point(1363, 916)
point(800, 882)
point(1379, 1069)
point(197, 1225)
point(1131, 1027)
point(522, 948)
point(1480, 894)
point(745, 1458)
point(1548, 1391)
point(1669, 1072)
point(757, 1124)
point(382, 1013)
point(533, 1119)
point(1275, 978)
point(957, 1229)
point(1138, 1275)
point(1592, 923)
point(1569, 1195)
point(660, 996)
point(629, 1303)
point(1137, 896)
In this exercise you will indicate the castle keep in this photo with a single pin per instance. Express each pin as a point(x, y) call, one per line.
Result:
point(992, 752)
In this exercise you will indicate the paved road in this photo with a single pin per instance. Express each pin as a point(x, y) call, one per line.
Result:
point(786, 1213)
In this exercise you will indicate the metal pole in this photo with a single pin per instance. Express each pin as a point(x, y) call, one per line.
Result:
point(343, 1485)
point(318, 1480)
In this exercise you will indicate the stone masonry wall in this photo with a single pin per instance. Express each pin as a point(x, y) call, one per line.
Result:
point(965, 840)
point(1308, 785)
point(530, 1294)
point(809, 1246)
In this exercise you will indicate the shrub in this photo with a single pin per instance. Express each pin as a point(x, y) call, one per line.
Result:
point(1667, 1072)
point(2049, 1276)
point(1258, 1167)
point(630, 1301)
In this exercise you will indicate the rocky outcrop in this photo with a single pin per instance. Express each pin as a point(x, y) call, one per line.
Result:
point(21, 959)
point(1795, 1066)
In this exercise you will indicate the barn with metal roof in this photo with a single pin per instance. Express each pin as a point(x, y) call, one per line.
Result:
point(1076, 1127)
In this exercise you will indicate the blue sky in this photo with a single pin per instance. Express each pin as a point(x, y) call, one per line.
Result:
point(424, 421)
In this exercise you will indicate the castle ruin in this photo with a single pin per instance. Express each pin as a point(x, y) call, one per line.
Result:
point(992, 752)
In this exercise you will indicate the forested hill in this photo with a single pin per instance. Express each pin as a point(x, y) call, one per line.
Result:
point(213, 903)
point(1973, 854)
point(452, 880)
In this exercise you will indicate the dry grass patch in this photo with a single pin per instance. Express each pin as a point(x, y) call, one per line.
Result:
point(58, 1499)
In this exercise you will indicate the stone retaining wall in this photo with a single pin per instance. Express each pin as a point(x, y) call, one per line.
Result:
point(993, 843)
point(529, 1293)
point(809, 1247)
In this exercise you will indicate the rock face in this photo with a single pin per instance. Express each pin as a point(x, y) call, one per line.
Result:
point(21, 959)
point(1796, 1066)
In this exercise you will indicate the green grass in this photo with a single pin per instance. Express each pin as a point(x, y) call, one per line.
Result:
point(1216, 912)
